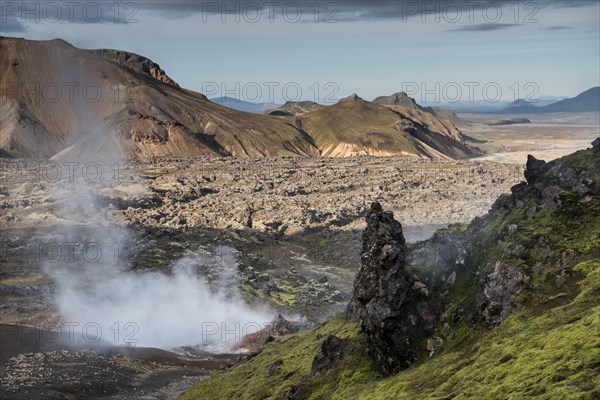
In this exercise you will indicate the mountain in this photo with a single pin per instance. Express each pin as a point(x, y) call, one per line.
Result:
point(354, 126)
point(139, 111)
point(242, 105)
point(507, 306)
point(521, 103)
point(588, 101)
point(62, 102)
point(396, 125)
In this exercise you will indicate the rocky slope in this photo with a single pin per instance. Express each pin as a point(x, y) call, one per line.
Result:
point(505, 307)
point(66, 103)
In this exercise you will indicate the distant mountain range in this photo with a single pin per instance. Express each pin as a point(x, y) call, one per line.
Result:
point(588, 101)
point(141, 112)
point(242, 105)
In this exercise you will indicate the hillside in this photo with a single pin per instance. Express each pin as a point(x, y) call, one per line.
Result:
point(63, 102)
point(134, 109)
point(293, 108)
point(386, 127)
point(506, 307)
point(354, 126)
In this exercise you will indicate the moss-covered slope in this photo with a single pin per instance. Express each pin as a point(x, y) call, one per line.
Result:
point(517, 294)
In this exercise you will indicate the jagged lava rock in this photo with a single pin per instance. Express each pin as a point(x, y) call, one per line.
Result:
point(533, 169)
point(389, 302)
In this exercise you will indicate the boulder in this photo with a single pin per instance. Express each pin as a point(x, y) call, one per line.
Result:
point(332, 350)
point(533, 169)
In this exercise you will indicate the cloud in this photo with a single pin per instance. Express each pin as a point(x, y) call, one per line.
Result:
point(483, 27)
point(556, 28)
point(16, 15)
point(345, 10)
point(11, 25)
point(21, 14)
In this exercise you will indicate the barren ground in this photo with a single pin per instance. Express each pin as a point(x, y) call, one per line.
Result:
point(547, 137)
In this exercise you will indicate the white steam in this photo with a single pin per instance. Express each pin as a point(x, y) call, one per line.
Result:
point(154, 309)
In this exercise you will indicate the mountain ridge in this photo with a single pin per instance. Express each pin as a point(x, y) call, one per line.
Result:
point(141, 112)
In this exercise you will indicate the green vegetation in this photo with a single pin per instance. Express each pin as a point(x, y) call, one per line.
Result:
point(552, 356)
point(34, 279)
point(248, 380)
point(549, 348)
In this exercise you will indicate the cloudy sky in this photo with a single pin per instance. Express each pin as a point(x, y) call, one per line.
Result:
point(438, 51)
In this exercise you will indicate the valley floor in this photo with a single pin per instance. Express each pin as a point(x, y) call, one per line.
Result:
point(547, 137)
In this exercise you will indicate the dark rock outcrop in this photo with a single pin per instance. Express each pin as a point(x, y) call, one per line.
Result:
point(273, 367)
point(499, 290)
point(390, 303)
point(533, 169)
point(137, 63)
point(332, 350)
point(596, 143)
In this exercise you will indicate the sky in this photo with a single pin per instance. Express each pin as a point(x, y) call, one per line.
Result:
point(279, 50)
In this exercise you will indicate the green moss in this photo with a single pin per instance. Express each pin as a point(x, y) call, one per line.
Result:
point(551, 356)
point(287, 298)
point(33, 280)
point(248, 380)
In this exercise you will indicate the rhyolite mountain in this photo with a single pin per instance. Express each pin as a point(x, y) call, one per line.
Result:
point(507, 306)
point(62, 102)
point(140, 111)
point(354, 126)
